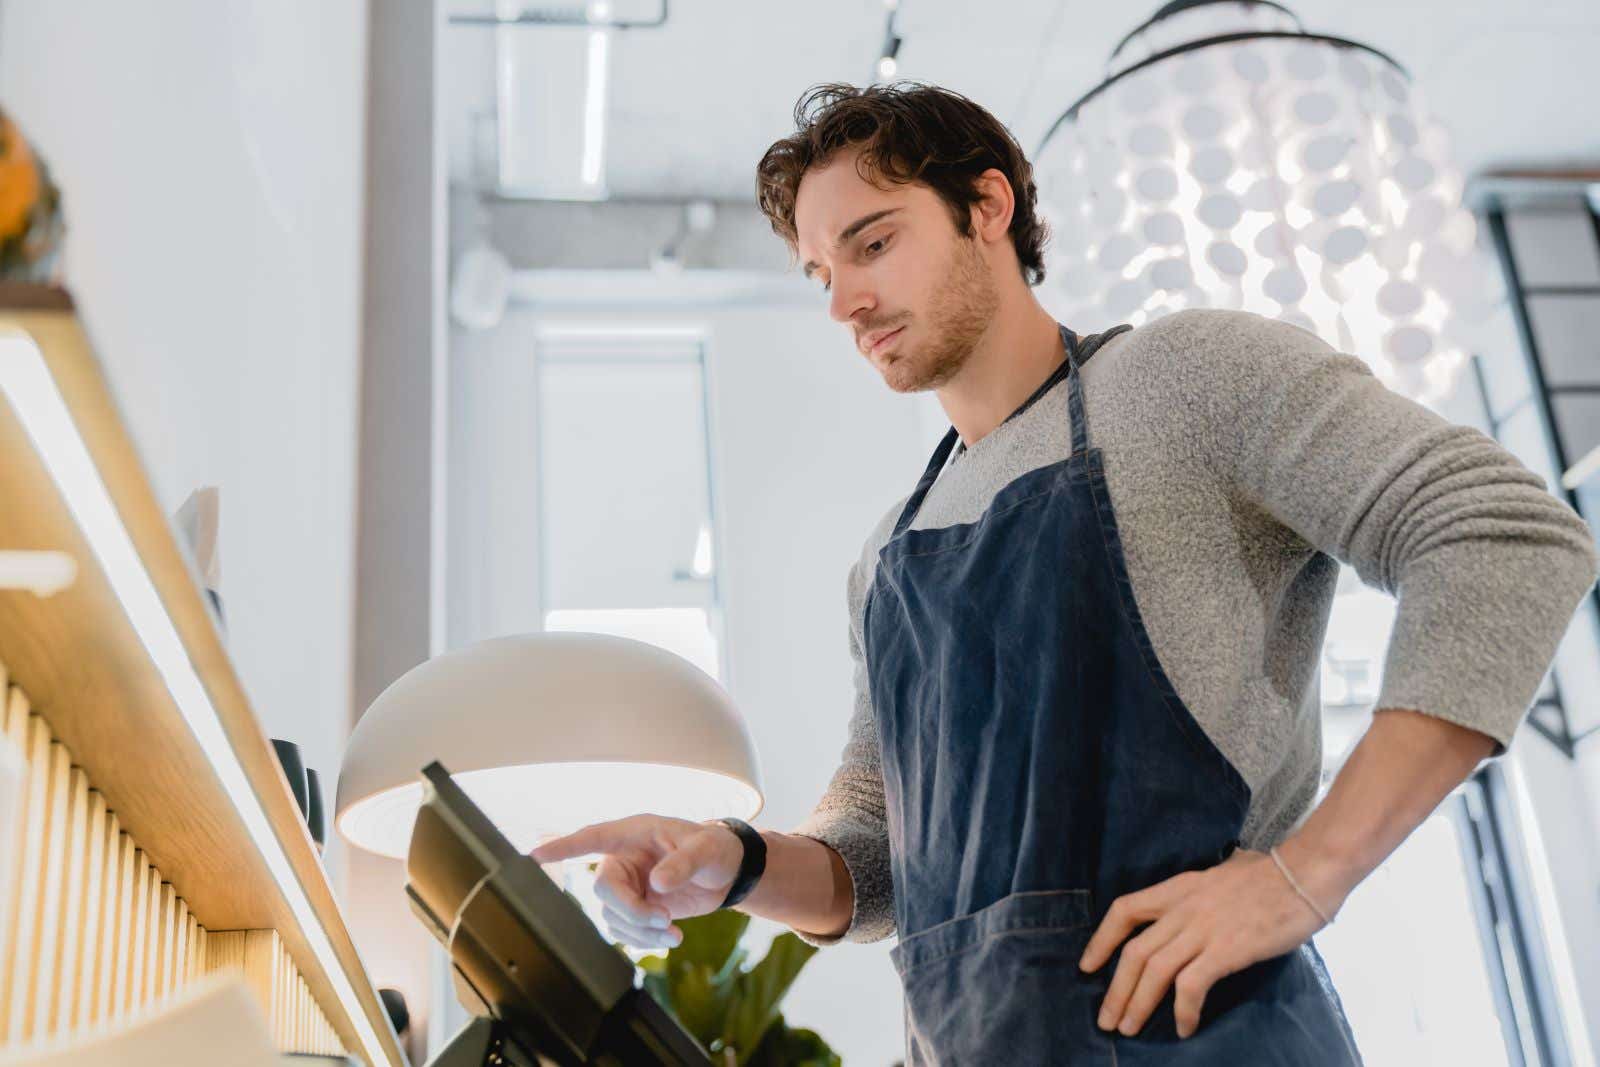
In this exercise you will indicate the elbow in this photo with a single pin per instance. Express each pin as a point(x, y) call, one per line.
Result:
point(1582, 560)
point(1571, 574)
point(1591, 565)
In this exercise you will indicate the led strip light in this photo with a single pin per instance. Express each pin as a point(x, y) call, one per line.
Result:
point(27, 383)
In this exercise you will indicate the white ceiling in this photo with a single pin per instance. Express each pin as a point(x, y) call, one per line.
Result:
point(694, 104)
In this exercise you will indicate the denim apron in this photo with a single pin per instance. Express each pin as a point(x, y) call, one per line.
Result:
point(1037, 765)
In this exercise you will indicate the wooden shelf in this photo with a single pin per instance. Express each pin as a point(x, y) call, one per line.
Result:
point(84, 665)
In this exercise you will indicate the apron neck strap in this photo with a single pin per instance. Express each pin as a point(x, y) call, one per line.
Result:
point(929, 476)
point(1078, 352)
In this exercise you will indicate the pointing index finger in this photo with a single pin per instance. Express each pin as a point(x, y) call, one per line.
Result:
point(601, 837)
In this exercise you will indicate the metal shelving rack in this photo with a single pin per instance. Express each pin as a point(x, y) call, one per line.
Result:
point(1494, 196)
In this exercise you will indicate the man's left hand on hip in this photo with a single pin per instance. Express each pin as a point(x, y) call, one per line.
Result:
point(1202, 926)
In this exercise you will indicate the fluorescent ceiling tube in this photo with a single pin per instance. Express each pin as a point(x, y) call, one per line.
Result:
point(594, 107)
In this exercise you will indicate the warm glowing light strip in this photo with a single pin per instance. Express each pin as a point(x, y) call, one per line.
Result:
point(27, 383)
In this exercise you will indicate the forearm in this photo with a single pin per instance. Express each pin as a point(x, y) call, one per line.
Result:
point(806, 886)
point(1404, 766)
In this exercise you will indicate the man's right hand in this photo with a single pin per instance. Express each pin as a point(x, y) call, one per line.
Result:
point(655, 869)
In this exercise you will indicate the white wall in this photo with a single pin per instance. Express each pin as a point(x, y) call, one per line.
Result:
point(813, 450)
point(809, 449)
point(210, 158)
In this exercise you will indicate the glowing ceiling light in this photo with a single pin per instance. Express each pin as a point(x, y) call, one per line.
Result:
point(1231, 159)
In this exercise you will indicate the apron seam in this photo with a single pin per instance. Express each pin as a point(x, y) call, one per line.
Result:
point(992, 935)
point(1014, 895)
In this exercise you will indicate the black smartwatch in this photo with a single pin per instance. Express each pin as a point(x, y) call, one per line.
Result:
point(751, 866)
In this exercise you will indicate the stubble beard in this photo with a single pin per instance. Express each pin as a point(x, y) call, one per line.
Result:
point(962, 307)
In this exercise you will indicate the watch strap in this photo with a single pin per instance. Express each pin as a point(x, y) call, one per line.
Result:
point(752, 866)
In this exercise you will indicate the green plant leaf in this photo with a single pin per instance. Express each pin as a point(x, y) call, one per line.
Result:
point(710, 939)
point(732, 1012)
point(758, 990)
point(698, 1001)
point(784, 1046)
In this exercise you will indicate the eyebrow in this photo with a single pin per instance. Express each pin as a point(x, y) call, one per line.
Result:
point(850, 231)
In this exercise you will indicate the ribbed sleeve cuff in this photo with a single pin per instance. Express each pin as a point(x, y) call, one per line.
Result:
point(1477, 628)
point(865, 852)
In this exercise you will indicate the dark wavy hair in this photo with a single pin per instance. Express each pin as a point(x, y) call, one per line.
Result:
point(906, 132)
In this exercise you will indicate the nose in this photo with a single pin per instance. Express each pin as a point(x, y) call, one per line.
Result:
point(850, 297)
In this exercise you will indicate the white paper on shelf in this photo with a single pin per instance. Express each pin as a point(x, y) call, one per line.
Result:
point(217, 1020)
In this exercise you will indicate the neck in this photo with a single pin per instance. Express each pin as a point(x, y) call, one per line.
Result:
point(1013, 357)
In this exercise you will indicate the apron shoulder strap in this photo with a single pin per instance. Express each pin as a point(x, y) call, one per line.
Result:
point(1079, 351)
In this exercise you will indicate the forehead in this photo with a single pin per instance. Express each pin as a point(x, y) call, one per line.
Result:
point(834, 195)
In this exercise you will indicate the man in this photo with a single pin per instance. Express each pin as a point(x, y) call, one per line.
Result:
point(1086, 738)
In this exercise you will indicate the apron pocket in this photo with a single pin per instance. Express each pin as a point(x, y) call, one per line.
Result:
point(1276, 1013)
point(1041, 910)
point(1003, 985)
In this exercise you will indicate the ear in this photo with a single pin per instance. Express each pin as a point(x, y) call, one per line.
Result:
point(991, 214)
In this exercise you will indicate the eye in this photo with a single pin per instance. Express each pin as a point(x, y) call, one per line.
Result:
point(877, 246)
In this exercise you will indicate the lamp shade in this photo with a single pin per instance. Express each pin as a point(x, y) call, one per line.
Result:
point(1232, 159)
point(547, 733)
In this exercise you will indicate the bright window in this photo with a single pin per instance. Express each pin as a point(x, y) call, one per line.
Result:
point(629, 538)
point(1423, 953)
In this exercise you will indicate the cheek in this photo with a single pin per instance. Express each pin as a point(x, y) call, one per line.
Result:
point(908, 279)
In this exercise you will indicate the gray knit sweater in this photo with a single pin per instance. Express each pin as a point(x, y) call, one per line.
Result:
point(1243, 456)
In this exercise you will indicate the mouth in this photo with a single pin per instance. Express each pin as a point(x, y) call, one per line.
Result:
point(879, 346)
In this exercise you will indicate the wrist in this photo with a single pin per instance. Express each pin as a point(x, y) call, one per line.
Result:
point(752, 862)
point(1326, 874)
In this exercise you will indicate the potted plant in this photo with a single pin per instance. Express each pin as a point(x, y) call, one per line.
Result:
point(730, 1009)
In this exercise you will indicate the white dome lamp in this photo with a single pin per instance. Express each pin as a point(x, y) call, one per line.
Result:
point(1231, 159)
point(547, 733)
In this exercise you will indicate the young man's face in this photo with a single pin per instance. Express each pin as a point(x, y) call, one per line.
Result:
point(915, 294)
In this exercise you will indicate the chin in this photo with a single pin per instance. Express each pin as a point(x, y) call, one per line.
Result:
point(907, 374)
point(903, 379)
point(901, 376)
